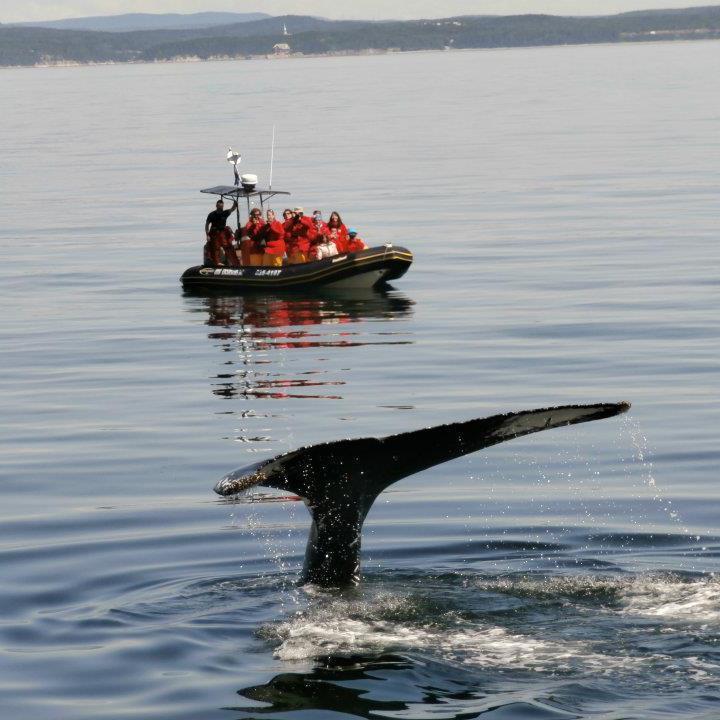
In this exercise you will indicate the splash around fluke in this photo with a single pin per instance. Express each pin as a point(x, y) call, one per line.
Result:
point(339, 481)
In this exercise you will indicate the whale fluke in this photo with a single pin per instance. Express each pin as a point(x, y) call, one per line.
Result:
point(339, 481)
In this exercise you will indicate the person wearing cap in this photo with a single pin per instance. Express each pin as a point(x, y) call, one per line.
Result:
point(300, 235)
point(215, 231)
point(252, 248)
point(273, 235)
point(355, 244)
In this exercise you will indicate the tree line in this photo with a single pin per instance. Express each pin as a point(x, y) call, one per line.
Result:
point(308, 35)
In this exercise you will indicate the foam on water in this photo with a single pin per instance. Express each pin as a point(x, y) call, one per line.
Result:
point(401, 622)
point(673, 599)
point(483, 646)
point(663, 595)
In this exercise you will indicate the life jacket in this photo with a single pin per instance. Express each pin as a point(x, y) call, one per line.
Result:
point(302, 233)
point(355, 244)
point(339, 235)
point(321, 231)
point(274, 236)
point(254, 232)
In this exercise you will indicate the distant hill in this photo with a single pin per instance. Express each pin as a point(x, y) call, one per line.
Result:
point(147, 21)
point(311, 35)
point(700, 10)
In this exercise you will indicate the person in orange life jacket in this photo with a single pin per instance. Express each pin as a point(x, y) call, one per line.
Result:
point(337, 231)
point(321, 229)
point(273, 234)
point(355, 244)
point(288, 221)
point(253, 229)
point(302, 233)
point(322, 247)
point(228, 249)
point(214, 229)
point(242, 244)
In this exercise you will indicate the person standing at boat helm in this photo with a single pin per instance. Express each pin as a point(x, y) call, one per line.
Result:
point(214, 230)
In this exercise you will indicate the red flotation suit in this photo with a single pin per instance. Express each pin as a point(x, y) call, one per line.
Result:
point(339, 235)
point(301, 234)
point(274, 236)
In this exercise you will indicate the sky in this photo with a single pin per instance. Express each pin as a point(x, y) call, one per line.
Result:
point(12, 11)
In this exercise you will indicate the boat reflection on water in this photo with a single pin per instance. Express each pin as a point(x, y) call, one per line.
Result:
point(258, 330)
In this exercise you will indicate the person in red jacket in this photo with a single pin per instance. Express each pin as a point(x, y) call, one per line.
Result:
point(320, 226)
point(300, 235)
point(290, 248)
point(228, 248)
point(324, 246)
point(252, 249)
point(274, 236)
point(355, 244)
point(321, 232)
point(338, 232)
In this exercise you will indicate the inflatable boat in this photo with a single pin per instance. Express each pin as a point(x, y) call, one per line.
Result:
point(373, 267)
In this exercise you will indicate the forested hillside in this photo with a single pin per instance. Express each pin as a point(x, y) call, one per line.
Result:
point(310, 35)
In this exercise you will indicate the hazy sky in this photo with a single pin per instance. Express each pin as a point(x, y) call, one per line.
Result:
point(12, 11)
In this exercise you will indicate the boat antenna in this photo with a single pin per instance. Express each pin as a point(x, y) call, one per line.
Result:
point(272, 157)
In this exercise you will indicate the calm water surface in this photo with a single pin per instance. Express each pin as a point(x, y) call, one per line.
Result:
point(562, 206)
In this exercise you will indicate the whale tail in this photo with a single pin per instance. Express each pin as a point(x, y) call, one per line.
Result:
point(339, 481)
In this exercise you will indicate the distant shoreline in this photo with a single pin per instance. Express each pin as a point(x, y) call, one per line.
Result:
point(239, 58)
point(296, 36)
point(60, 64)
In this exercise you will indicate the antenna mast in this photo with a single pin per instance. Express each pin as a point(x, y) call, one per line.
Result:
point(272, 157)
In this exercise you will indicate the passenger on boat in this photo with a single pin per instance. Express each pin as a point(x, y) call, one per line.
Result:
point(355, 244)
point(214, 230)
point(288, 216)
point(337, 231)
point(319, 226)
point(323, 247)
point(253, 250)
point(300, 233)
point(273, 235)
point(243, 243)
point(318, 218)
point(228, 248)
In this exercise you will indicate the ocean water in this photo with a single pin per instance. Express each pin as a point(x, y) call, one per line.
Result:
point(562, 207)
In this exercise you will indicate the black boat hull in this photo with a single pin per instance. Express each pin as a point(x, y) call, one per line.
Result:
point(365, 269)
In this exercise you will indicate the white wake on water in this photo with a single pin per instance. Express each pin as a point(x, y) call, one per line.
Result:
point(668, 596)
point(341, 627)
point(395, 622)
point(671, 599)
